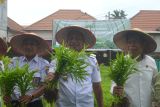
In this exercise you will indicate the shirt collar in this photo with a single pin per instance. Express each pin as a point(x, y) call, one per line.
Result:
point(34, 59)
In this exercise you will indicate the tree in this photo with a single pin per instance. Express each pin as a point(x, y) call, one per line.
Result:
point(118, 14)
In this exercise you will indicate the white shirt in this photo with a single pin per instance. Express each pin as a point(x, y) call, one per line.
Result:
point(74, 94)
point(138, 87)
point(37, 63)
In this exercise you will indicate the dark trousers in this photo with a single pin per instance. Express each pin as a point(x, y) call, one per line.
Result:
point(37, 103)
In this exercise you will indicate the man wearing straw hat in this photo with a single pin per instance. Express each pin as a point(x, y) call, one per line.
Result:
point(3, 51)
point(138, 87)
point(71, 93)
point(30, 48)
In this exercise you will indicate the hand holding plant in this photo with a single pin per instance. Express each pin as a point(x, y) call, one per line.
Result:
point(68, 63)
point(119, 71)
point(24, 82)
point(121, 68)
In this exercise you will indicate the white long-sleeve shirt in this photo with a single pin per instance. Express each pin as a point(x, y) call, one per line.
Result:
point(74, 94)
point(138, 87)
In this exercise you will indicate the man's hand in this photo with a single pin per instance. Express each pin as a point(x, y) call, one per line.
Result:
point(118, 90)
point(50, 76)
point(26, 99)
point(7, 99)
point(98, 94)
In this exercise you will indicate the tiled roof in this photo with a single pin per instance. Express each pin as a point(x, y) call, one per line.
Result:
point(13, 25)
point(147, 20)
point(46, 23)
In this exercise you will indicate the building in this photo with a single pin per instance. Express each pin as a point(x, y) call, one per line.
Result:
point(44, 27)
point(148, 21)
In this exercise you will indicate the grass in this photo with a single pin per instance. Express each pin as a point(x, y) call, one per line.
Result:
point(106, 84)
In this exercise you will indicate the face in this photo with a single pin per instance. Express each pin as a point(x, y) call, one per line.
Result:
point(30, 47)
point(135, 46)
point(75, 40)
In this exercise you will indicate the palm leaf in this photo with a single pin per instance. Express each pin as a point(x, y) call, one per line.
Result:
point(121, 68)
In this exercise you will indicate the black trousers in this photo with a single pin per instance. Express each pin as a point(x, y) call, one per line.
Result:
point(37, 103)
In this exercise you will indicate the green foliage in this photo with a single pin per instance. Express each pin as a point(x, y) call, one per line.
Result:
point(106, 85)
point(15, 76)
point(8, 78)
point(70, 62)
point(118, 14)
point(25, 78)
point(6, 61)
point(121, 67)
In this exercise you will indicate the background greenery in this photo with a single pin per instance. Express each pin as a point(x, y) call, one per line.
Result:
point(106, 84)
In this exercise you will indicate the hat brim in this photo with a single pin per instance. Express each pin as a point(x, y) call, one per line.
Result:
point(121, 42)
point(89, 37)
point(17, 41)
point(3, 47)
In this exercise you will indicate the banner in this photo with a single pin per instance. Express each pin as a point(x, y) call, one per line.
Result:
point(104, 30)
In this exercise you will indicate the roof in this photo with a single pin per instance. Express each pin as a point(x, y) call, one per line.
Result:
point(12, 25)
point(46, 23)
point(147, 20)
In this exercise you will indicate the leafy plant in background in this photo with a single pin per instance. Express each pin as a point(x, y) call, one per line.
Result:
point(68, 63)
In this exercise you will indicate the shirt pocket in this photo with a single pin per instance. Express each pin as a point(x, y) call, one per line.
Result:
point(147, 74)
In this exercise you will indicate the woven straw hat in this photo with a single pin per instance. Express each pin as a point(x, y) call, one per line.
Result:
point(89, 37)
point(120, 39)
point(3, 47)
point(17, 41)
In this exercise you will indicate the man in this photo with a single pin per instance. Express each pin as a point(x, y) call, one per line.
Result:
point(30, 47)
point(71, 93)
point(3, 51)
point(137, 88)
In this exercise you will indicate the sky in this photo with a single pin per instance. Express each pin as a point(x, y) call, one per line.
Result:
point(26, 12)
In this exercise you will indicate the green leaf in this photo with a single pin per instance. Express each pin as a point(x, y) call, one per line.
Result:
point(121, 68)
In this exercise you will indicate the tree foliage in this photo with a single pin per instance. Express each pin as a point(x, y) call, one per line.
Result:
point(118, 14)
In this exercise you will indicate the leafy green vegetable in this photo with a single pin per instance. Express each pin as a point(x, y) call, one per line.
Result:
point(15, 76)
point(25, 78)
point(8, 77)
point(68, 63)
point(121, 67)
